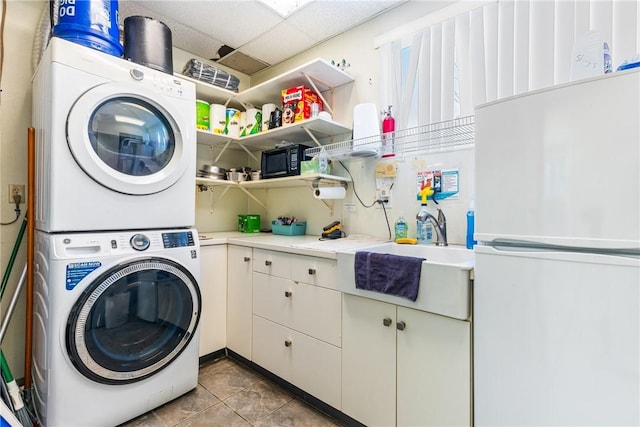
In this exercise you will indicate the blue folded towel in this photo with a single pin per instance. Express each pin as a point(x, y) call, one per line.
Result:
point(388, 274)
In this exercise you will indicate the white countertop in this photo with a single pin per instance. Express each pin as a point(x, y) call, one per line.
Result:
point(303, 245)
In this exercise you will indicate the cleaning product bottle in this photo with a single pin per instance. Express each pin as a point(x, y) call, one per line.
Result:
point(388, 128)
point(401, 228)
point(471, 225)
point(423, 225)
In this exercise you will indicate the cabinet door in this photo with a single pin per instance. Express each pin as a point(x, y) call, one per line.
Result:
point(369, 360)
point(239, 287)
point(307, 363)
point(434, 370)
point(213, 288)
point(306, 308)
point(272, 262)
point(315, 271)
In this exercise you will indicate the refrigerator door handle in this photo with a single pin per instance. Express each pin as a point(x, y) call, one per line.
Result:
point(515, 245)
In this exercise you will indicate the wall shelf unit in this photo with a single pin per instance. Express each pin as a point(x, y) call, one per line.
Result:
point(451, 135)
point(297, 132)
point(309, 180)
point(318, 74)
point(288, 181)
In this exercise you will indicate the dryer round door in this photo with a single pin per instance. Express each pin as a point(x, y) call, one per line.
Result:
point(127, 141)
point(133, 320)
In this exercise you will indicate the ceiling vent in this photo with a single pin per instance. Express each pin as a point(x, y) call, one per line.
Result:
point(239, 61)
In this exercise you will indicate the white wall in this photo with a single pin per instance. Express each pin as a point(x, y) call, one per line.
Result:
point(15, 113)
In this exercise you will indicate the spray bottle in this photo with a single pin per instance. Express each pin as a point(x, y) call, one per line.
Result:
point(423, 225)
point(388, 128)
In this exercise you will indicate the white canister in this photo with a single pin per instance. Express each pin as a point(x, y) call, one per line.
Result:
point(252, 121)
point(232, 126)
point(366, 130)
point(217, 118)
point(267, 109)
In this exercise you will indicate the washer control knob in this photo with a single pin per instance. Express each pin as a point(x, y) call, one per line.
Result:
point(140, 242)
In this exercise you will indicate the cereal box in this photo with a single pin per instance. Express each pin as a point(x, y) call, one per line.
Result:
point(296, 104)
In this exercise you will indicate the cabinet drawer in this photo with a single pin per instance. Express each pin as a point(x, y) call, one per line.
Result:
point(312, 310)
point(315, 271)
point(273, 263)
point(312, 365)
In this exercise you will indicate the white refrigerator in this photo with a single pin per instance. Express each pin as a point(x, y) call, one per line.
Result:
point(556, 308)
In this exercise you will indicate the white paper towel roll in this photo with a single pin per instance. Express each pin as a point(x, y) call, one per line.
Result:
point(217, 118)
point(252, 121)
point(330, 193)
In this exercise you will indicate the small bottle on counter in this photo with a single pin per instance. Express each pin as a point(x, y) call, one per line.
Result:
point(400, 228)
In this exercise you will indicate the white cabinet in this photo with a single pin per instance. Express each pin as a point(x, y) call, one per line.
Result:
point(239, 289)
point(297, 322)
point(213, 290)
point(404, 367)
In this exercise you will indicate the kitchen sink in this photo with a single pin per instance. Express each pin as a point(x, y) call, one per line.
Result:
point(445, 278)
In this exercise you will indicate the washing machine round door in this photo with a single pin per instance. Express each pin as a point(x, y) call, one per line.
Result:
point(126, 140)
point(133, 321)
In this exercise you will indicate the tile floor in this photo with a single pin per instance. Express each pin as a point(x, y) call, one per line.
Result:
point(231, 394)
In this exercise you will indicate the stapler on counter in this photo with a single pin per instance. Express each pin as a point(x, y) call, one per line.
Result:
point(333, 231)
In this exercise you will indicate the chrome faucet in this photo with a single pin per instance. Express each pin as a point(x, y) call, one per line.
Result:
point(440, 225)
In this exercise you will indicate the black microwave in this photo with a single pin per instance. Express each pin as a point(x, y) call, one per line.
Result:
point(282, 161)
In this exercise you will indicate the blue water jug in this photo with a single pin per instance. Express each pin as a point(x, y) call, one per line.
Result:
point(91, 23)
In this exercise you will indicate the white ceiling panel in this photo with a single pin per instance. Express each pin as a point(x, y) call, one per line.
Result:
point(282, 42)
point(317, 20)
point(203, 26)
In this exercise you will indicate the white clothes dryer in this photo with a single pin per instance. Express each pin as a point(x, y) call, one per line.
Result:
point(115, 143)
point(115, 324)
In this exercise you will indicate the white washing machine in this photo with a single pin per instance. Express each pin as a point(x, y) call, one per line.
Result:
point(115, 324)
point(115, 143)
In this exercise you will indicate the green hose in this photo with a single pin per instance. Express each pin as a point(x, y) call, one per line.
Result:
point(6, 373)
point(14, 253)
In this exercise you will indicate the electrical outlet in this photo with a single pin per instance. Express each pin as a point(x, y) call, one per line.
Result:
point(385, 196)
point(15, 189)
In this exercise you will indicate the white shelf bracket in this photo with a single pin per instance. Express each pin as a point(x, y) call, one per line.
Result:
point(248, 152)
point(248, 193)
point(312, 136)
point(212, 202)
point(222, 151)
point(311, 81)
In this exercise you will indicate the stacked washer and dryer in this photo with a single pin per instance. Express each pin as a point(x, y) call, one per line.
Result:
point(116, 298)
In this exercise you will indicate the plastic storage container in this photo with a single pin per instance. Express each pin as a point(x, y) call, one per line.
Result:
point(249, 223)
point(91, 23)
point(295, 229)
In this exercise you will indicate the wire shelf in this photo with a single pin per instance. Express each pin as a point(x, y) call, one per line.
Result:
point(444, 136)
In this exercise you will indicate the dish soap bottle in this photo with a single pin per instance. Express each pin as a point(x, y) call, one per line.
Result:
point(423, 225)
point(471, 225)
point(401, 228)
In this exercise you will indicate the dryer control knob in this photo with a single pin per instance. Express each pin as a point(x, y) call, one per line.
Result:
point(140, 242)
point(136, 73)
